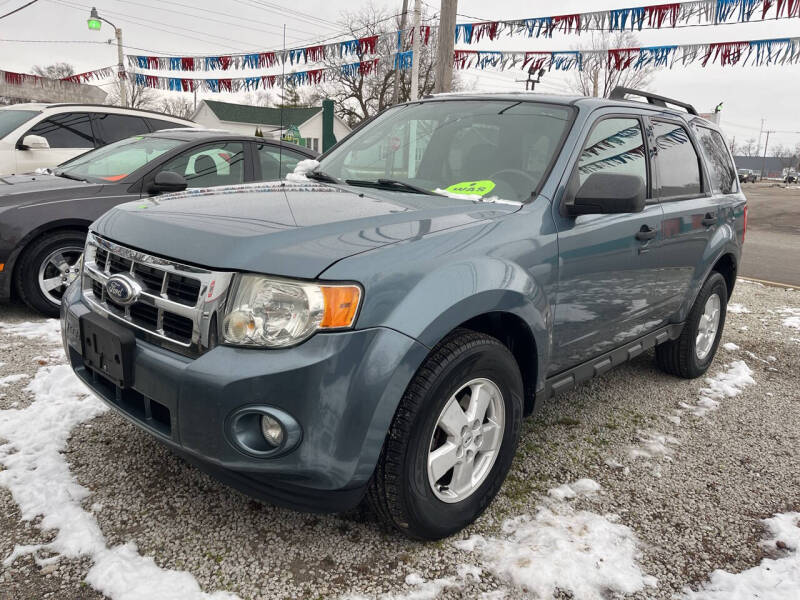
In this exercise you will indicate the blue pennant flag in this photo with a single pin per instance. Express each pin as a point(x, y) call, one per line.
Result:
point(175, 63)
point(175, 85)
point(619, 18)
point(348, 47)
point(402, 60)
point(464, 33)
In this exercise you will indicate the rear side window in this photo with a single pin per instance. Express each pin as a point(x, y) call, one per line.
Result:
point(678, 165)
point(615, 145)
point(113, 128)
point(720, 167)
point(159, 124)
point(275, 164)
point(68, 130)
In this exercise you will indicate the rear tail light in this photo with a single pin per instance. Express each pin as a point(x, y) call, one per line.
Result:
point(744, 231)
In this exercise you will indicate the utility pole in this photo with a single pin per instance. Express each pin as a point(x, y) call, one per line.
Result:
point(399, 50)
point(443, 76)
point(94, 23)
point(764, 160)
point(761, 131)
point(415, 51)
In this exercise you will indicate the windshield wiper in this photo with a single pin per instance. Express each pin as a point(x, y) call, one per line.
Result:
point(321, 176)
point(66, 175)
point(391, 184)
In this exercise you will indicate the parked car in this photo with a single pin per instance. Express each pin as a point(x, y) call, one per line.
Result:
point(38, 136)
point(44, 217)
point(747, 176)
point(380, 330)
point(791, 177)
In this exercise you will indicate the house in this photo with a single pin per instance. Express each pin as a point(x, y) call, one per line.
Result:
point(773, 167)
point(272, 122)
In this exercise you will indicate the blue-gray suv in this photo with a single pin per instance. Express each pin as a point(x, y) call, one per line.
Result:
point(377, 327)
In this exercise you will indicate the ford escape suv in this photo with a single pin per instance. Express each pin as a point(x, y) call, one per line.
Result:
point(378, 328)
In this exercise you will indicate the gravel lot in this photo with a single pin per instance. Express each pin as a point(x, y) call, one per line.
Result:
point(694, 505)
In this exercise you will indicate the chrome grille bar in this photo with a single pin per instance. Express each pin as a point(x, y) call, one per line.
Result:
point(157, 314)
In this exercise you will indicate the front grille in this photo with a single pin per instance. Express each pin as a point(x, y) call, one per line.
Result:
point(175, 303)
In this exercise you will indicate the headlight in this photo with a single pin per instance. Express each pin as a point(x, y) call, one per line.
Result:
point(274, 313)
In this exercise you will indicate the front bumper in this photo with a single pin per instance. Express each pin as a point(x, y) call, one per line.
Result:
point(341, 388)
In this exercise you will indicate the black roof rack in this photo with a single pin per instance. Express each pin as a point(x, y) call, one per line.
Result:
point(619, 93)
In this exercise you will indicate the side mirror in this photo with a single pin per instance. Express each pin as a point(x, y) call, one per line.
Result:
point(608, 193)
point(167, 181)
point(33, 142)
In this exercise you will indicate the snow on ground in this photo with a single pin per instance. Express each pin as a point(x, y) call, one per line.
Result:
point(652, 444)
point(773, 579)
point(48, 331)
point(733, 307)
point(728, 383)
point(576, 488)
point(37, 475)
point(9, 379)
point(586, 554)
point(792, 317)
point(730, 347)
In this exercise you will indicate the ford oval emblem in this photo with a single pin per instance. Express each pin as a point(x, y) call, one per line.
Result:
point(121, 289)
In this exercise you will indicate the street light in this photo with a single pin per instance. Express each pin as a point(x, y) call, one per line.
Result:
point(94, 23)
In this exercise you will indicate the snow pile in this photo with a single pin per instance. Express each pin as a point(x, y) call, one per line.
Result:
point(733, 307)
point(773, 579)
point(576, 488)
point(792, 317)
point(300, 170)
point(422, 589)
point(583, 553)
point(38, 477)
point(730, 347)
point(725, 384)
point(48, 331)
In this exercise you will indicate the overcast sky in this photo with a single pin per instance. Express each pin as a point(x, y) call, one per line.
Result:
point(214, 26)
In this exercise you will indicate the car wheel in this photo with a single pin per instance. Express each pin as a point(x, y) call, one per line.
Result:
point(47, 267)
point(452, 439)
point(691, 354)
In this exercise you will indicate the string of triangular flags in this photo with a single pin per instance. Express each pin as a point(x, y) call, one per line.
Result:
point(777, 51)
point(352, 48)
point(657, 16)
point(13, 78)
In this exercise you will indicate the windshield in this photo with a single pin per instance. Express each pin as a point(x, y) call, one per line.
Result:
point(488, 148)
point(118, 160)
point(10, 119)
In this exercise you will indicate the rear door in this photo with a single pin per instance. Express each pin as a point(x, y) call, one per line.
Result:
point(690, 208)
point(68, 135)
point(608, 291)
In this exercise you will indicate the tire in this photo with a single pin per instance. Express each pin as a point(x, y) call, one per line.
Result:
point(69, 243)
point(684, 357)
point(401, 492)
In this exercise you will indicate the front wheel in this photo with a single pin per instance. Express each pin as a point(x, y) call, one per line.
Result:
point(47, 268)
point(452, 439)
point(691, 354)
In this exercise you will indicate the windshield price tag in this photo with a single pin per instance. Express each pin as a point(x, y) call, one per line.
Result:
point(477, 188)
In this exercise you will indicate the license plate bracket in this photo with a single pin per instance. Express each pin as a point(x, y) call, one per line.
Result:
point(108, 348)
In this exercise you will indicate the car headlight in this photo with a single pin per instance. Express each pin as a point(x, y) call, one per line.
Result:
point(274, 313)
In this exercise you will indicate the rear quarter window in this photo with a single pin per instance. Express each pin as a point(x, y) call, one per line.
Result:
point(720, 167)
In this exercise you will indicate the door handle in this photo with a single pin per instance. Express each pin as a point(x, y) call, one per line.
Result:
point(646, 233)
point(709, 220)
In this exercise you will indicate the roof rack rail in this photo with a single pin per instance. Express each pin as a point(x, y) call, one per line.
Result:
point(619, 93)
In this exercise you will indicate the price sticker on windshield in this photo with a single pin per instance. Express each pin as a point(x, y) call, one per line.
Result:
point(475, 188)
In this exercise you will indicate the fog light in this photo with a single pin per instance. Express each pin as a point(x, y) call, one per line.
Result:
point(271, 430)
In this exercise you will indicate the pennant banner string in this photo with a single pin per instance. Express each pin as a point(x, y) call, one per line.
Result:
point(656, 16)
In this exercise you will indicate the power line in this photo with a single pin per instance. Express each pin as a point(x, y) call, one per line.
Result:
point(302, 16)
point(16, 10)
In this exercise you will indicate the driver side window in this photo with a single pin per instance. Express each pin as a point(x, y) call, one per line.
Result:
point(211, 165)
point(615, 145)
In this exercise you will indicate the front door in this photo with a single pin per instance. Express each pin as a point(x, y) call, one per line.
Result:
point(609, 285)
point(68, 134)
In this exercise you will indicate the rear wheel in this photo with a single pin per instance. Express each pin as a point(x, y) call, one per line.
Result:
point(691, 354)
point(452, 439)
point(46, 269)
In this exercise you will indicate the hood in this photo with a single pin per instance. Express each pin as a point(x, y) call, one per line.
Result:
point(282, 228)
point(42, 187)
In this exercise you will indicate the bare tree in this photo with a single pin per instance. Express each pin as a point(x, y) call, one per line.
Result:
point(57, 70)
point(139, 96)
point(785, 155)
point(259, 98)
point(177, 106)
point(598, 78)
point(358, 96)
point(748, 148)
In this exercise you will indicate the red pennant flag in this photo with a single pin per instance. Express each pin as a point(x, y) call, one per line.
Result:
point(367, 45)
